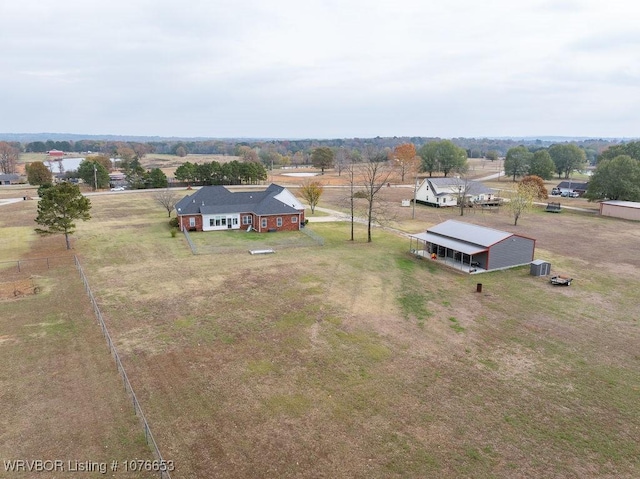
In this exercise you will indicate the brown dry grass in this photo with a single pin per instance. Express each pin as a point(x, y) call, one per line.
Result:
point(357, 360)
point(61, 395)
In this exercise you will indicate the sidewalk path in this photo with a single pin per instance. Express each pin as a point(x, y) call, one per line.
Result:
point(340, 216)
point(8, 201)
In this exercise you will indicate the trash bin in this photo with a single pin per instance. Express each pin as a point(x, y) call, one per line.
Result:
point(479, 288)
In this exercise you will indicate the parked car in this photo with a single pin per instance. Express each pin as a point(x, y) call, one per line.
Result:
point(118, 188)
point(570, 194)
point(556, 191)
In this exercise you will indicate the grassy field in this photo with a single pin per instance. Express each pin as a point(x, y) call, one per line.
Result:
point(61, 396)
point(359, 360)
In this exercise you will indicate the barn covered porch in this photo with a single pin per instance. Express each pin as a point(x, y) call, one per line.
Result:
point(455, 254)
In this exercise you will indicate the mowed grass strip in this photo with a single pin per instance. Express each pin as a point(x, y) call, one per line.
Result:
point(358, 360)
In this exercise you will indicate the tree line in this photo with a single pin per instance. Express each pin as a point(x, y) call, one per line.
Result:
point(616, 175)
point(295, 150)
point(213, 173)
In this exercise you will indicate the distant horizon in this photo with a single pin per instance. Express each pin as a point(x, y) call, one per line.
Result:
point(45, 136)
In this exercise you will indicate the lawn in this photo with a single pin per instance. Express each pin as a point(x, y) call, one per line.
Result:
point(62, 398)
point(356, 359)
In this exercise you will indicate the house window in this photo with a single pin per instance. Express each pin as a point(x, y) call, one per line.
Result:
point(192, 222)
point(278, 222)
point(246, 220)
point(235, 221)
point(211, 222)
point(294, 219)
point(217, 221)
point(263, 223)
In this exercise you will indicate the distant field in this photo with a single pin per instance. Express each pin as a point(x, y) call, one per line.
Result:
point(168, 163)
point(359, 360)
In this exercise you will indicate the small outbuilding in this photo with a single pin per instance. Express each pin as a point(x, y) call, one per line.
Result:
point(473, 248)
point(9, 179)
point(540, 267)
point(628, 210)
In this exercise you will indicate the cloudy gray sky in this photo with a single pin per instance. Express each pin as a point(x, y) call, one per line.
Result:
point(321, 68)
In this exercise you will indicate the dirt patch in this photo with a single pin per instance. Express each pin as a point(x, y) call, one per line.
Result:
point(18, 289)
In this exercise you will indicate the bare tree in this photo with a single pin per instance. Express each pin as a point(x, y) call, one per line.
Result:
point(167, 199)
point(8, 158)
point(375, 174)
point(463, 186)
point(341, 159)
point(351, 176)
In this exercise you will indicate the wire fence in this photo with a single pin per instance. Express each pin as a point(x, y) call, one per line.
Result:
point(194, 250)
point(313, 235)
point(161, 463)
point(33, 265)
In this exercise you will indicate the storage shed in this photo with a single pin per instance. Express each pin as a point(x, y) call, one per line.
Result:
point(540, 267)
point(628, 210)
point(473, 248)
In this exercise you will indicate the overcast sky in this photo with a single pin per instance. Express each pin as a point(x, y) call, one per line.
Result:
point(321, 69)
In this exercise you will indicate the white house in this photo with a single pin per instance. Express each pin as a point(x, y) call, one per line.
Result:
point(440, 192)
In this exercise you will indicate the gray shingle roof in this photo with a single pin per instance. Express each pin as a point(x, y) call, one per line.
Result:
point(574, 185)
point(447, 185)
point(219, 200)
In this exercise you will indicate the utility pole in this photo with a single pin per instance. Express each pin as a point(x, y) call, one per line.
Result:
point(415, 190)
point(95, 176)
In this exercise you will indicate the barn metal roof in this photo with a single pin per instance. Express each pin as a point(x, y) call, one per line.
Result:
point(469, 233)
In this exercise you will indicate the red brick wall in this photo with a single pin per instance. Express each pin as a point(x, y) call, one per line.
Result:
point(185, 222)
point(272, 223)
point(287, 224)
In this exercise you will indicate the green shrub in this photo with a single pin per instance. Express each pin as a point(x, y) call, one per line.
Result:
point(174, 232)
point(173, 222)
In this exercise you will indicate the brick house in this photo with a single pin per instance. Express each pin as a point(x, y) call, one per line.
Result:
point(215, 208)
